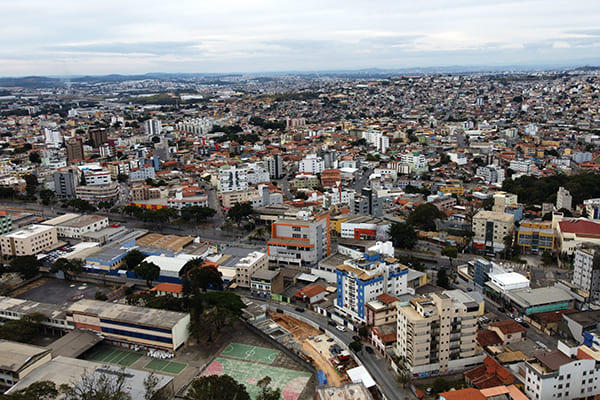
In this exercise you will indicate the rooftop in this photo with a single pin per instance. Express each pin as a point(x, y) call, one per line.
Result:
point(28, 231)
point(14, 356)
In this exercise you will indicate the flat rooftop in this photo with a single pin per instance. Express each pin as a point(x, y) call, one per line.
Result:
point(172, 242)
point(28, 231)
point(539, 296)
point(125, 313)
point(82, 221)
point(14, 355)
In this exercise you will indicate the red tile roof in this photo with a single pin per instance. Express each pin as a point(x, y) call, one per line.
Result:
point(507, 326)
point(488, 338)
point(554, 359)
point(386, 298)
point(309, 291)
point(463, 394)
point(580, 227)
point(167, 287)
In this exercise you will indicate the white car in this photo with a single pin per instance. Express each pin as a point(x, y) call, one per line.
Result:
point(340, 328)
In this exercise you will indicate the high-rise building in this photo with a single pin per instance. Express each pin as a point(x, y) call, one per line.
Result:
point(491, 174)
point(275, 165)
point(304, 240)
point(436, 335)
point(248, 265)
point(98, 137)
point(586, 270)
point(360, 281)
point(65, 182)
point(152, 127)
point(564, 199)
point(490, 229)
point(232, 178)
point(368, 203)
point(75, 150)
point(311, 164)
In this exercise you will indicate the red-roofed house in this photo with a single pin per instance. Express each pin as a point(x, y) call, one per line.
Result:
point(572, 232)
point(383, 336)
point(490, 374)
point(165, 288)
point(311, 294)
point(463, 394)
point(381, 310)
point(508, 330)
point(487, 338)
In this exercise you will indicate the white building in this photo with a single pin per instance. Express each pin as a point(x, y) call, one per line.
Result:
point(257, 173)
point(74, 226)
point(360, 281)
point(232, 178)
point(52, 138)
point(377, 139)
point(142, 173)
point(152, 127)
point(97, 178)
point(458, 158)
point(195, 126)
point(555, 375)
point(248, 265)
point(491, 174)
point(415, 160)
point(311, 164)
point(586, 270)
point(523, 166)
point(564, 199)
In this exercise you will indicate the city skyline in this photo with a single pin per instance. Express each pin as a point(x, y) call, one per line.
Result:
point(73, 38)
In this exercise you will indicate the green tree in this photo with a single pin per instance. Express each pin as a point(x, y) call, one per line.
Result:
point(98, 386)
point(442, 279)
point(450, 251)
point(197, 213)
point(239, 211)
point(266, 393)
point(201, 278)
point(34, 157)
point(440, 385)
point(403, 235)
point(222, 387)
point(42, 390)
point(547, 257)
point(356, 346)
point(67, 266)
point(47, 196)
point(133, 259)
point(212, 311)
point(22, 330)
point(423, 217)
point(508, 244)
point(147, 271)
point(26, 266)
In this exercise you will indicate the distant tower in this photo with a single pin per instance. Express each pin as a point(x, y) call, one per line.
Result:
point(152, 127)
point(563, 199)
point(75, 150)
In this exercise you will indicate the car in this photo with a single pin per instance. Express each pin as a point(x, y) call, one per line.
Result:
point(369, 349)
point(330, 339)
point(501, 309)
point(332, 323)
point(525, 325)
point(319, 339)
point(356, 338)
point(340, 328)
point(299, 309)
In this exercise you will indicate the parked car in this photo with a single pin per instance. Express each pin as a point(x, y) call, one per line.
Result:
point(368, 349)
point(332, 323)
point(299, 309)
point(340, 328)
point(501, 309)
point(356, 338)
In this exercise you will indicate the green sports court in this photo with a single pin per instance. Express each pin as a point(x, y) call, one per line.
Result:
point(170, 367)
point(250, 353)
point(113, 356)
point(291, 382)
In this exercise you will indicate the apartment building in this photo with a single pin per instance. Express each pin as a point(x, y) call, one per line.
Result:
point(65, 182)
point(31, 240)
point(534, 236)
point(564, 199)
point(436, 335)
point(95, 194)
point(232, 179)
point(275, 166)
point(304, 240)
point(555, 375)
point(311, 164)
point(490, 228)
point(5, 222)
point(491, 174)
point(586, 270)
point(248, 265)
point(360, 281)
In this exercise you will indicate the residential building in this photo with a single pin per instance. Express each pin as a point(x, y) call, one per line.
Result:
point(534, 236)
point(31, 240)
point(117, 168)
point(264, 283)
point(152, 127)
point(381, 310)
point(142, 173)
point(311, 164)
point(275, 166)
point(232, 179)
point(457, 189)
point(5, 222)
point(248, 265)
point(436, 335)
point(586, 270)
point(368, 203)
point(311, 294)
point(66, 181)
point(98, 137)
point(96, 194)
point(257, 173)
point(491, 174)
point(305, 181)
point(508, 330)
point(564, 199)
point(592, 208)
point(555, 375)
point(503, 200)
point(331, 177)
point(379, 140)
point(304, 240)
point(490, 229)
point(360, 281)
point(416, 161)
point(523, 166)
point(75, 150)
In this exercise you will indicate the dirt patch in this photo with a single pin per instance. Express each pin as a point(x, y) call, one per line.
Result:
point(301, 331)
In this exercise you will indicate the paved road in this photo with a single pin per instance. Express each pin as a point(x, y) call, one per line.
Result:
point(374, 363)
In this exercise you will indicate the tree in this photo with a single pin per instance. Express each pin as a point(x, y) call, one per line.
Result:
point(47, 196)
point(222, 387)
point(34, 157)
point(356, 346)
point(450, 252)
point(266, 393)
point(67, 266)
point(26, 266)
point(212, 311)
point(403, 235)
point(24, 329)
point(197, 213)
point(148, 271)
point(202, 278)
point(440, 385)
point(98, 385)
point(508, 243)
point(133, 259)
point(42, 390)
point(442, 279)
point(423, 217)
point(239, 211)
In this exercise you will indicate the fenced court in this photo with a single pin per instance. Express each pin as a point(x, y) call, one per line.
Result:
point(170, 367)
point(119, 357)
point(291, 382)
point(251, 353)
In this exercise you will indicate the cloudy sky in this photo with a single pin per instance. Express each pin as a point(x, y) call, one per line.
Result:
point(59, 37)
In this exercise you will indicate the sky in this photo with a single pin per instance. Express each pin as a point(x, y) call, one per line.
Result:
point(76, 37)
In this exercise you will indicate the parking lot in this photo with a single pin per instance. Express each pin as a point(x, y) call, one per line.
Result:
point(55, 291)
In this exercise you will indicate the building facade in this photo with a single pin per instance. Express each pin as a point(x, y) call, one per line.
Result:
point(31, 240)
point(248, 265)
point(490, 228)
point(586, 270)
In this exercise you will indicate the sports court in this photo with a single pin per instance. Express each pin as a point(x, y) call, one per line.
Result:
point(170, 367)
point(250, 353)
point(119, 357)
point(291, 382)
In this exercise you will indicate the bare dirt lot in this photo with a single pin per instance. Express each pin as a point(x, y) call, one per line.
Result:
point(301, 332)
